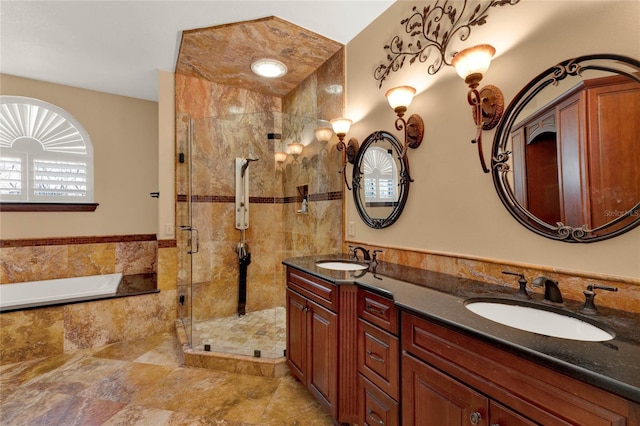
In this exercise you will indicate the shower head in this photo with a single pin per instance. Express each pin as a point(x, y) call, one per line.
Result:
point(246, 164)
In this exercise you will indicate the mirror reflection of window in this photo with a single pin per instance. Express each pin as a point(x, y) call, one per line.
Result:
point(380, 178)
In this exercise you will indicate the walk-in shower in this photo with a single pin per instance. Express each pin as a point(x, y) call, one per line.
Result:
point(228, 201)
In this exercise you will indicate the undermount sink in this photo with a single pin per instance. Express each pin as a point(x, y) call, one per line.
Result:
point(540, 319)
point(341, 265)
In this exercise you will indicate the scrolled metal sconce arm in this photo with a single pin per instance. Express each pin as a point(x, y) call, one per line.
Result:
point(413, 128)
point(349, 151)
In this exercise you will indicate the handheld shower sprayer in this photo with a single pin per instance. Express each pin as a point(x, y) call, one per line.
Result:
point(245, 165)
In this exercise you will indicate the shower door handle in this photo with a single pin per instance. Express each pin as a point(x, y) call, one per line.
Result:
point(196, 235)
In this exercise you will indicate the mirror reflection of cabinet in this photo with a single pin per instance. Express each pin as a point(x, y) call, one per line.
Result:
point(560, 153)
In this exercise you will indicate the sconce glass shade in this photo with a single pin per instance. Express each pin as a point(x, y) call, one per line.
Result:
point(341, 125)
point(295, 148)
point(400, 97)
point(323, 134)
point(280, 157)
point(473, 60)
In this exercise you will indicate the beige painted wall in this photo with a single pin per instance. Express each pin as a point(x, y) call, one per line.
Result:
point(453, 206)
point(166, 155)
point(124, 133)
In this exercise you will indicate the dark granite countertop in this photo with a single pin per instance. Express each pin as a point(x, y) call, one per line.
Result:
point(613, 365)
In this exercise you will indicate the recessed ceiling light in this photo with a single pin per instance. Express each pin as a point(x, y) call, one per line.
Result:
point(269, 68)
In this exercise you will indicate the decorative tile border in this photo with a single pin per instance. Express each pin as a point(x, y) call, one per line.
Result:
point(162, 244)
point(32, 242)
point(325, 196)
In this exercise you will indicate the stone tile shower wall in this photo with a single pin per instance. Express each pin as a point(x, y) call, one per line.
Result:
point(320, 230)
point(276, 231)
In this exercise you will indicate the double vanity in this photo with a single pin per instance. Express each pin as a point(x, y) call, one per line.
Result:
point(396, 345)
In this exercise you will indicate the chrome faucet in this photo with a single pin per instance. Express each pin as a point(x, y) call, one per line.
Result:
point(365, 253)
point(551, 291)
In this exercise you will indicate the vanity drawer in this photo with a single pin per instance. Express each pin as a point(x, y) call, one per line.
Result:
point(321, 291)
point(376, 408)
point(378, 310)
point(378, 357)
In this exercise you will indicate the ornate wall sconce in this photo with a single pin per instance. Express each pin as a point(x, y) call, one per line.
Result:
point(295, 148)
point(323, 134)
point(487, 103)
point(399, 99)
point(280, 157)
point(341, 126)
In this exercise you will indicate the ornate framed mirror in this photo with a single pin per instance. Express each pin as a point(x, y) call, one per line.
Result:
point(566, 155)
point(380, 180)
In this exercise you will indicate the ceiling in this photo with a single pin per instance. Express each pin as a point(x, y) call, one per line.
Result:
point(224, 54)
point(119, 46)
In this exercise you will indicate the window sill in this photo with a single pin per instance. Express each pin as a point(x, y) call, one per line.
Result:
point(47, 207)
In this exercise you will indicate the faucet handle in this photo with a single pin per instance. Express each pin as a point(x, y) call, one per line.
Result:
point(374, 259)
point(352, 252)
point(589, 307)
point(522, 282)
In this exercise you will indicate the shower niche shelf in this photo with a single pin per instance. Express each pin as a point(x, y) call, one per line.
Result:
point(303, 199)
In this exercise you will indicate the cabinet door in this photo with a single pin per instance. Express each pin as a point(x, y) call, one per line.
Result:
point(323, 355)
point(378, 355)
point(376, 408)
point(297, 335)
point(430, 397)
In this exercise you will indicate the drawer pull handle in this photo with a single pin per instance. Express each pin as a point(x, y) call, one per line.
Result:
point(375, 310)
point(475, 418)
point(375, 417)
point(375, 357)
point(495, 424)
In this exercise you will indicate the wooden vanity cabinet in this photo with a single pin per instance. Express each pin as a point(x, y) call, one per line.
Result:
point(321, 336)
point(575, 161)
point(452, 379)
point(378, 360)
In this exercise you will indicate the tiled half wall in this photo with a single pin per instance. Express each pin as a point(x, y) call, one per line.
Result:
point(39, 332)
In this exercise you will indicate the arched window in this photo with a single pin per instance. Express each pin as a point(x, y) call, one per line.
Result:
point(380, 178)
point(46, 155)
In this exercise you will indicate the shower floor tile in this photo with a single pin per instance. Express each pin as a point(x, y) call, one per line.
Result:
point(261, 330)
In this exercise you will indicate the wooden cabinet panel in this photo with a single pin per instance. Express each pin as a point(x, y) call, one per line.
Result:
point(321, 341)
point(536, 392)
point(376, 408)
point(314, 288)
point(430, 397)
point(297, 335)
point(614, 150)
point(378, 355)
point(323, 356)
point(502, 416)
point(571, 161)
point(378, 310)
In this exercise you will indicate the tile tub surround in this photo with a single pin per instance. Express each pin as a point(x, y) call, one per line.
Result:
point(35, 333)
point(142, 382)
point(51, 258)
point(62, 329)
